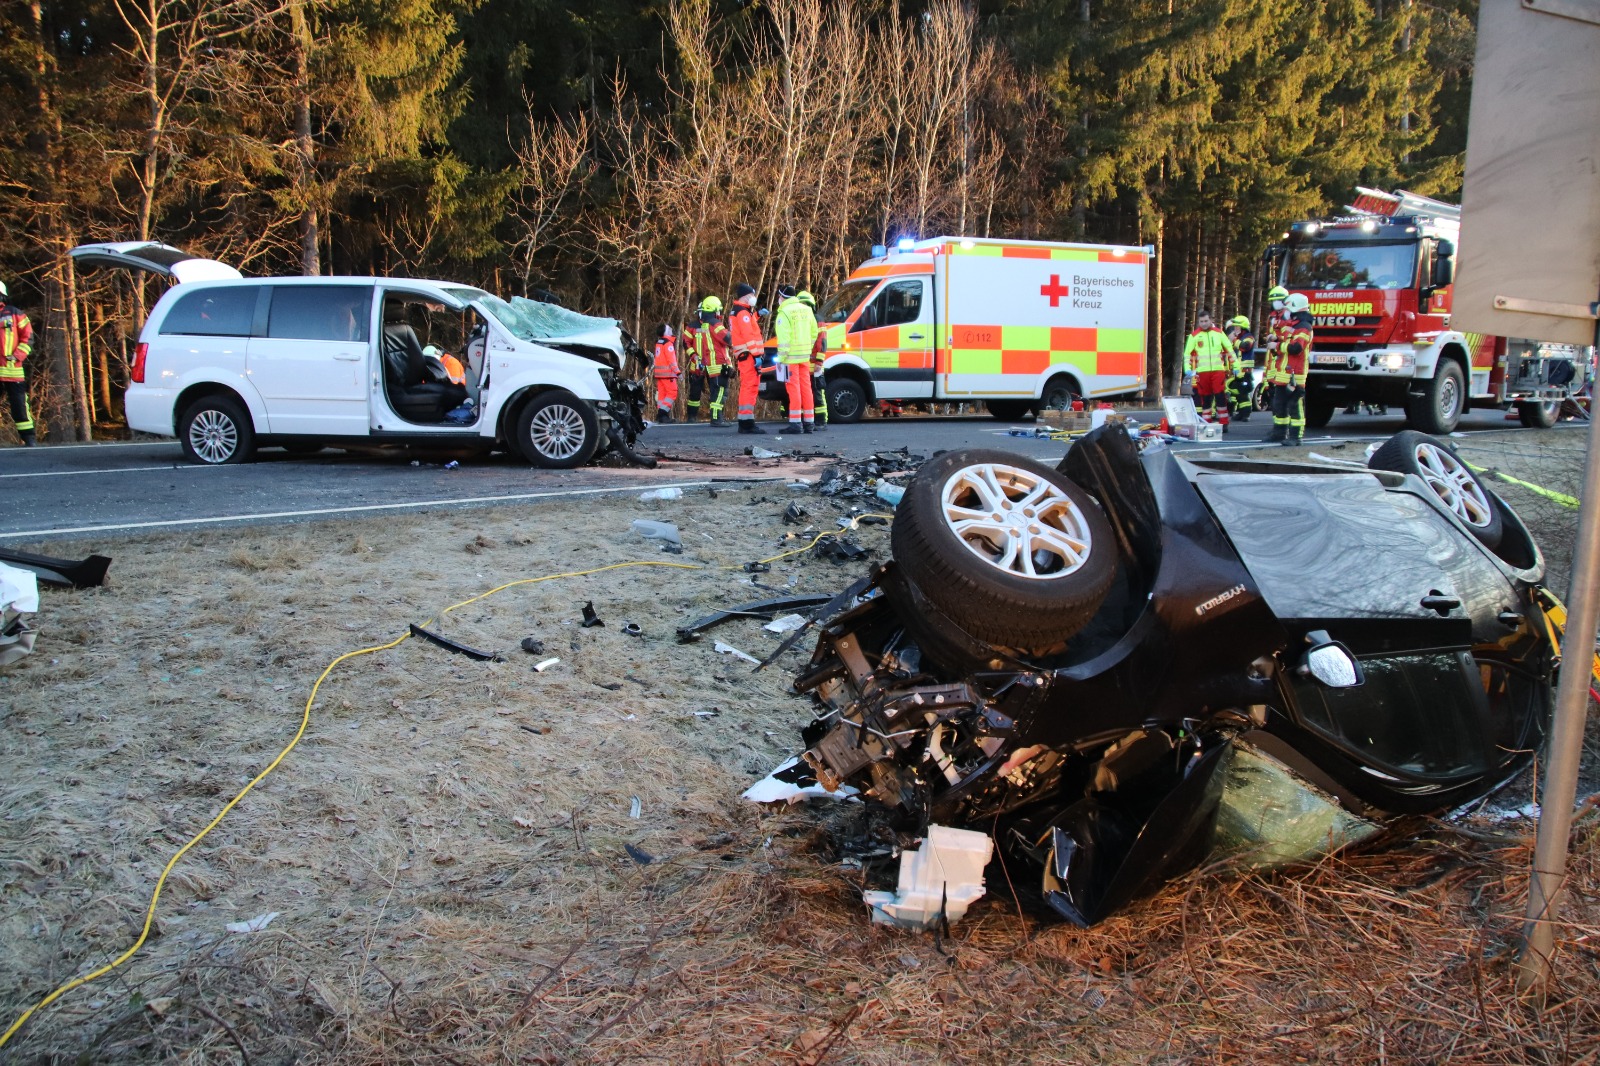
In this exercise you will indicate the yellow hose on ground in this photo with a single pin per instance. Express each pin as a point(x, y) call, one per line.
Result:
point(305, 722)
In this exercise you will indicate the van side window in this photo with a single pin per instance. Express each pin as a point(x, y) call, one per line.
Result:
point(320, 312)
point(899, 303)
point(225, 311)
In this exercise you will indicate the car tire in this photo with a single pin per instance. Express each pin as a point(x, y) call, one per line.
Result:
point(217, 431)
point(557, 431)
point(1439, 408)
point(1029, 578)
point(1261, 399)
point(1458, 488)
point(847, 401)
point(1010, 410)
point(1539, 415)
point(1319, 412)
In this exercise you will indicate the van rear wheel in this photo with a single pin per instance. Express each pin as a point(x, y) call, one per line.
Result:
point(217, 431)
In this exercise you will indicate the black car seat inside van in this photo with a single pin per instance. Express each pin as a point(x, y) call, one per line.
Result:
point(413, 397)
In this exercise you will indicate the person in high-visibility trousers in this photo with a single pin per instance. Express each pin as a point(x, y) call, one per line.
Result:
point(694, 368)
point(664, 369)
point(819, 355)
point(1242, 382)
point(1209, 357)
point(1286, 370)
point(744, 337)
point(16, 344)
point(712, 340)
point(796, 329)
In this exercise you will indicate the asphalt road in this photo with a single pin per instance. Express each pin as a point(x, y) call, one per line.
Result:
point(84, 491)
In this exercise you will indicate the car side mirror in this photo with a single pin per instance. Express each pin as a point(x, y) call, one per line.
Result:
point(1330, 663)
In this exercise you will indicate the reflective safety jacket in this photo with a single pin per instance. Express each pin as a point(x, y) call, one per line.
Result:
point(744, 333)
point(1207, 350)
point(707, 348)
point(796, 330)
point(666, 361)
point(16, 342)
point(1244, 346)
point(1287, 365)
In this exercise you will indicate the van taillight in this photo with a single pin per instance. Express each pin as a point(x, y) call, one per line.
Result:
point(139, 354)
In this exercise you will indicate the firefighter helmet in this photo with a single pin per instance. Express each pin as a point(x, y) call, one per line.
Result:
point(711, 305)
point(1240, 321)
point(806, 298)
point(1296, 303)
point(1277, 292)
point(4, 292)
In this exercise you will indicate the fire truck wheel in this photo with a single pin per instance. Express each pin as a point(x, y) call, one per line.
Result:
point(1539, 415)
point(1010, 410)
point(847, 401)
point(1319, 412)
point(1010, 550)
point(1439, 408)
point(1458, 488)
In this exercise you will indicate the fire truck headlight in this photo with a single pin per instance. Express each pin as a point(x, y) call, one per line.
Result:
point(1398, 360)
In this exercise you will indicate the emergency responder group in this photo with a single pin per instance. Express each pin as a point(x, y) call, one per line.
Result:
point(1220, 362)
point(720, 355)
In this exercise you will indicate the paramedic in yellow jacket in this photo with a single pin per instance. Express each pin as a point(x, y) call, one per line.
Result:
point(796, 329)
point(1209, 357)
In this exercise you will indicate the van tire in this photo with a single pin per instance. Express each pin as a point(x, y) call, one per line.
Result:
point(216, 431)
point(1456, 486)
point(1536, 414)
point(557, 431)
point(847, 401)
point(987, 597)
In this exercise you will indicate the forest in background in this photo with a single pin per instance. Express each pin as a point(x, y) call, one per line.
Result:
point(632, 157)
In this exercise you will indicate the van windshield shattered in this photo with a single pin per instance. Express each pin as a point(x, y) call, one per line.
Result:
point(531, 320)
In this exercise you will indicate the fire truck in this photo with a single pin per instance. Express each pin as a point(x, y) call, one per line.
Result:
point(1379, 281)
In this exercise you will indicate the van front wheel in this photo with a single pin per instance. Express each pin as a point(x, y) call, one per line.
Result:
point(558, 431)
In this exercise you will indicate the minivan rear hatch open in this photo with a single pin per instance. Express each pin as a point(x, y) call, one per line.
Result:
point(162, 259)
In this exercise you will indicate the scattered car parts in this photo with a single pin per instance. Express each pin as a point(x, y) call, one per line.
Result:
point(455, 646)
point(766, 610)
point(86, 573)
point(590, 619)
point(1121, 665)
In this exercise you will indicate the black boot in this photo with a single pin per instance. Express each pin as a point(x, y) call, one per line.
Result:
point(716, 420)
point(27, 438)
point(1293, 439)
point(748, 425)
point(792, 427)
point(1279, 431)
point(811, 427)
point(663, 417)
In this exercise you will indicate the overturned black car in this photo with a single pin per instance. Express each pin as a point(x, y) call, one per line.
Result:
point(1121, 666)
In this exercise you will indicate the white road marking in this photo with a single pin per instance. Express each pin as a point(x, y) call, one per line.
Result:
point(105, 444)
point(356, 510)
point(113, 470)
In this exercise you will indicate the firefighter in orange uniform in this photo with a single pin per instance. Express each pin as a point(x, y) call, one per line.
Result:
point(1209, 357)
point(665, 371)
point(744, 335)
point(16, 343)
point(1286, 370)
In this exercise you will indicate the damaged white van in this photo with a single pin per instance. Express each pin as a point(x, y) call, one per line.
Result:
point(228, 364)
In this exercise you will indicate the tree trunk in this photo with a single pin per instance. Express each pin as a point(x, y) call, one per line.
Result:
point(1157, 334)
point(305, 146)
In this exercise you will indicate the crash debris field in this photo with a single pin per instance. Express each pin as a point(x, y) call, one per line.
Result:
point(478, 862)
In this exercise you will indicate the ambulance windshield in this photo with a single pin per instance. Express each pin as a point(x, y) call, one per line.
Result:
point(838, 307)
point(1366, 265)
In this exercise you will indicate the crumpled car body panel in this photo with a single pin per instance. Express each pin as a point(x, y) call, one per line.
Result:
point(1110, 764)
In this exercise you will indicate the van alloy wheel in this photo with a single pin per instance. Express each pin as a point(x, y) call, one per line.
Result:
point(557, 431)
point(1016, 521)
point(1453, 483)
point(213, 436)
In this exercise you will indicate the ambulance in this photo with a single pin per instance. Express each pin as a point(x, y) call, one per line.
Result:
point(1019, 325)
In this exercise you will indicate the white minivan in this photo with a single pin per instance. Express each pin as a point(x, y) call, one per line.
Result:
point(228, 364)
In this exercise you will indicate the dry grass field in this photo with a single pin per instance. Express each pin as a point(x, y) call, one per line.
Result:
point(447, 848)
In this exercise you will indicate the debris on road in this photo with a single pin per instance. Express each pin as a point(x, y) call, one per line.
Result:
point(86, 573)
point(254, 925)
point(533, 645)
point(662, 494)
point(765, 610)
point(19, 602)
point(590, 619)
point(665, 532)
point(729, 649)
point(455, 646)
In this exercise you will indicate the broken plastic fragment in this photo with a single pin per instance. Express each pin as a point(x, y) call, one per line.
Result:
point(638, 854)
point(729, 649)
point(662, 494)
point(665, 532)
point(792, 782)
point(890, 494)
point(762, 453)
point(532, 645)
point(547, 664)
point(942, 878)
point(254, 925)
point(787, 623)
point(635, 808)
point(590, 619)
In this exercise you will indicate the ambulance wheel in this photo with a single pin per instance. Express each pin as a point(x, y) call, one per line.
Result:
point(1539, 415)
point(847, 401)
point(1010, 410)
point(1010, 550)
point(1456, 486)
point(1319, 412)
point(1058, 395)
point(558, 431)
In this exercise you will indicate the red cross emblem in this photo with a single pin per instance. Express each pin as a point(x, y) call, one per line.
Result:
point(1055, 290)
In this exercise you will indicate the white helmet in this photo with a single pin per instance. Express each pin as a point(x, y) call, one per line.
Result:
point(4, 292)
point(1296, 303)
